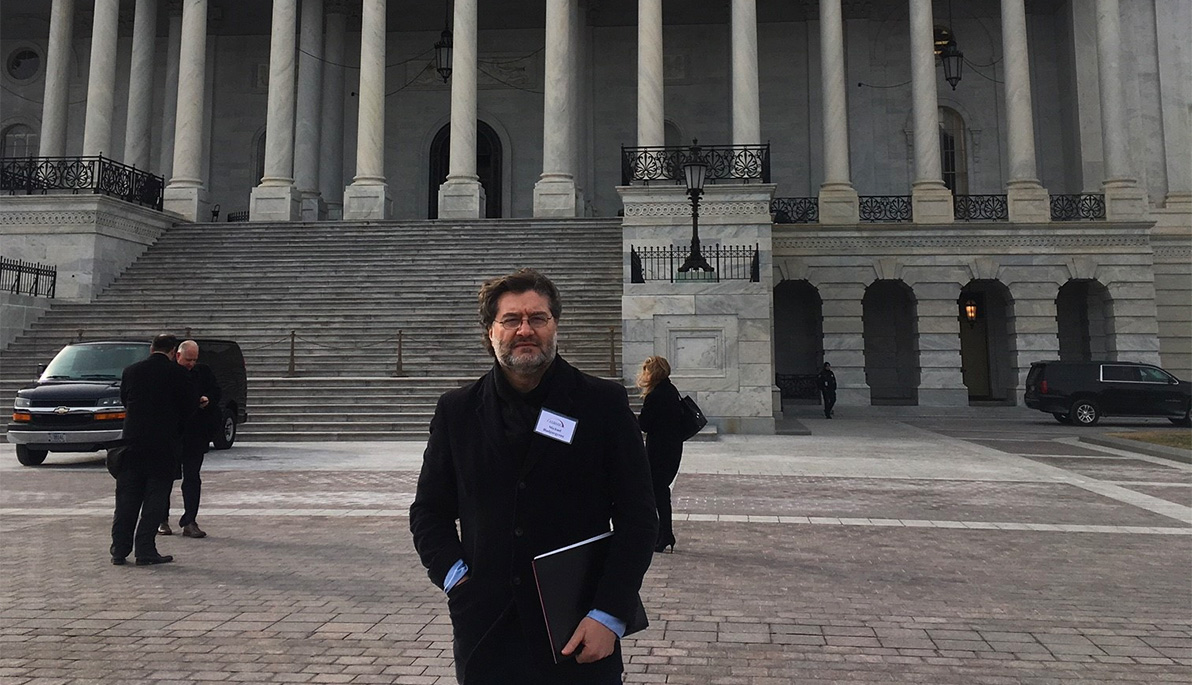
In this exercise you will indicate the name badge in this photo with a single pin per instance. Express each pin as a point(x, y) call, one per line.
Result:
point(557, 426)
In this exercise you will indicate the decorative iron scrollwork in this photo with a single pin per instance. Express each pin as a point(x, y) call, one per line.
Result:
point(797, 386)
point(740, 163)
point(795, 210)
point(729, 263)
point(892, 208)
point(99, 175)
point(980, 208)
point(1078, 207)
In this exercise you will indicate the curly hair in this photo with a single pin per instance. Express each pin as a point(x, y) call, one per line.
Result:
point(519, 281)
point(654, 371)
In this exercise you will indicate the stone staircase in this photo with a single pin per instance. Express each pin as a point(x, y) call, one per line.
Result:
point(345, 298)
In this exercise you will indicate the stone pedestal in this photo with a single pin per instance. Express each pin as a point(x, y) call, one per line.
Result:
point(1125, 201)
point(555, 197)
point(189, 202)
point(931, 203)
point(367, 202)
point(461, 198)
point(715, 328)
point(839, 204)
point(275, 203)
point(1028, 202)
point(313, 207)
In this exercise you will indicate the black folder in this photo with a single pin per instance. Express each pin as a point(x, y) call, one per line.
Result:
point(567, 578)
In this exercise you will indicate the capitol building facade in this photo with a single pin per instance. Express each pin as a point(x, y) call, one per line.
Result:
point(935, 192)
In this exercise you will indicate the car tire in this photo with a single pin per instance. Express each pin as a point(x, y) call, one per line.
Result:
point(226, 435)
point(1184, 422)
point(29, 457)
point(1085, 413)
point(1062, 418)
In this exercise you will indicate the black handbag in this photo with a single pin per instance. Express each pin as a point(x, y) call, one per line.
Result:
point(691, 419)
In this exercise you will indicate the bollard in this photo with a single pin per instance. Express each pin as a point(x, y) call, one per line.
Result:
point(293, 335)
point(400, 370)
point(612, 352)
point(188, 335)
point(80, 335)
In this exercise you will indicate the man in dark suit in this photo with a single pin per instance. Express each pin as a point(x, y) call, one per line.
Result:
point(196, 437)
point(532, 457)
point(157, 398)
point(826, 380)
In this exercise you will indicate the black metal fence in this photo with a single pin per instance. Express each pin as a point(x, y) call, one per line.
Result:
point(728, 163)
point(731, 263)
point(796, 386)
point(99, 175)
point(980, 208)
point(795, 210)
point(892, 208)
point(238, 217)
point(27, 278)
point(1078, 207)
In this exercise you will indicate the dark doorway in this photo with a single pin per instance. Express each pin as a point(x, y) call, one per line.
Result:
point(798, 340)
point(488, 167)
point(987, 346)
point(1084, 317)
point(891, 349)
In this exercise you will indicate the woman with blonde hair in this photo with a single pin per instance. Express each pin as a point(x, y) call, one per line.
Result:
point(660, 421)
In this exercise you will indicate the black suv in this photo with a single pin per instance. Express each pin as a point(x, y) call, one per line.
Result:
point(74, 406)
point(1083, 392)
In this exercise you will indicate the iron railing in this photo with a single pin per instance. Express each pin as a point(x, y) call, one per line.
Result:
point(28, 278)
point(980, 208)
point(238, 217)
point(1078, 207)
point(797, 386)
point(795, 210)
point(727, 163)
point(99, 175)
point(731, 263)
point(885, 208)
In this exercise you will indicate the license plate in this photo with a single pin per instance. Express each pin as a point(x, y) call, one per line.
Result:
point(57, 437)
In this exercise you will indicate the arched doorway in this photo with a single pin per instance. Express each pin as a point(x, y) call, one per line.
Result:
point(1084, 318)
point(891, 348)
point(488, 167)
point(798, 339)
point(987, 349)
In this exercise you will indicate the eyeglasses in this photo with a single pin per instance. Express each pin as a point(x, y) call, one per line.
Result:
point(512, 323)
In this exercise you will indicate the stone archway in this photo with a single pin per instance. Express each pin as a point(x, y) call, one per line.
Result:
point(985, 315)
point(889, 321)
point(798, 339)
point(1084, 317)
point(489, 161)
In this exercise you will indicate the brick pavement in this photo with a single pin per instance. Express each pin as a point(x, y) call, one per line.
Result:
point(885, 553)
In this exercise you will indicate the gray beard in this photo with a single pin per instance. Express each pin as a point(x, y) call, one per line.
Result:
point(529, 365)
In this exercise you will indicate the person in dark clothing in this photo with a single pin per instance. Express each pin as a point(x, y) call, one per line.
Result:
point(532, 457)
point(196, 437)
point(826, 380)
point(157, 398)
point(661, 422)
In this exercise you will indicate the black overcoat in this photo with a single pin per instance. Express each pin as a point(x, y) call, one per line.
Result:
point(512, 507)
point(661, 420)
point(158, 397)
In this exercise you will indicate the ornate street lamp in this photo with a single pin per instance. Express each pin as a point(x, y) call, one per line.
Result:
point(695, 169)
point(953, 60)
point(443, 55)
point(970, 311)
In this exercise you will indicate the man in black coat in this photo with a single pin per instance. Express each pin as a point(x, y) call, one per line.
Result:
point(826, 380)
point(196, 437)
point(532, 457)
point(157, 398)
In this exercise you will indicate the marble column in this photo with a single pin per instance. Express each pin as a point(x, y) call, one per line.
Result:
point(747, 126)
point(931, 201)
point(461, 196)
point(57, 88)
point(368, 196)
point(170, 96)
point(844, 340)
point(331, 139)
point(1175, 69)
point(1124, 199)
point(276, 198)
point(941, 381)
point(137, 135)
point(838, 200)
point(651, 117)
point(186, 195)
point(554, 194)
point(101, 80)
point(1026, 197)
point(576, 83)
point(308, 124)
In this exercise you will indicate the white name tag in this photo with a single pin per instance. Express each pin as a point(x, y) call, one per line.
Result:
point(557, 426)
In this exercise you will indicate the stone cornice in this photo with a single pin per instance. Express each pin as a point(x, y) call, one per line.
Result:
point(886, 243)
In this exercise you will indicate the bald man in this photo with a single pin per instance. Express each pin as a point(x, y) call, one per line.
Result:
point(196, 437)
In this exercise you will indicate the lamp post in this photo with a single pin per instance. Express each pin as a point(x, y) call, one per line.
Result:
point(952, 59)
point(695, 169)
point(443, 55)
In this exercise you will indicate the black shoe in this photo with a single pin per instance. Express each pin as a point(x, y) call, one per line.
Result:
point(117, 561)
point(155, 559)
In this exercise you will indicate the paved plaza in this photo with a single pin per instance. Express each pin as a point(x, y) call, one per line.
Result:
point(983, 547)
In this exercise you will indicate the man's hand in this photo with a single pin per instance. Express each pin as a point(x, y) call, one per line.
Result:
point(597, 641)
point(203, 402)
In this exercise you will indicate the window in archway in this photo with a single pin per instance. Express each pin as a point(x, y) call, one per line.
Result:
point(19, 141)
point(953, 159)
point(23, 64)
